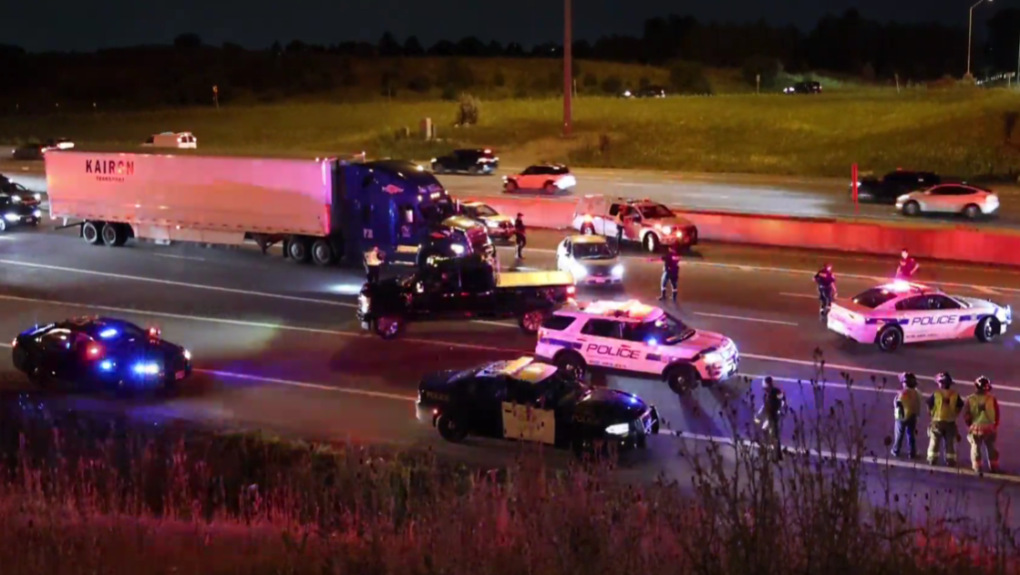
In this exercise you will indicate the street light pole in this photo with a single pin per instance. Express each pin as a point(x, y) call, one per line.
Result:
point(568, 75)
point(970, 32)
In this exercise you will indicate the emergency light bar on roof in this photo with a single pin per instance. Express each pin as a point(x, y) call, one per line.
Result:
point(900, 286)
point(632, 309)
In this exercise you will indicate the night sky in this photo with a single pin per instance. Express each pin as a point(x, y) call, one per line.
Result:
point(41, 25)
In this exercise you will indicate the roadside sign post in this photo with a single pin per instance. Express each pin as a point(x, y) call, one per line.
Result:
point(853, 179)
point(216, 96)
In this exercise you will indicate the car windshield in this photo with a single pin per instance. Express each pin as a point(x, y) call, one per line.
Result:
point(593, 251)
point(666, 330)
point(438, 211)
point(482, 211)
point(874, 297)
point(655, 211)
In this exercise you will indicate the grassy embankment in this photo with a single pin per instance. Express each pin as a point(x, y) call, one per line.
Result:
point(81, 495)
point(963, 132)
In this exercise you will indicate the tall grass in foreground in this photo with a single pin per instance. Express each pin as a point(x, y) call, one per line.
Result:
point(85, 496)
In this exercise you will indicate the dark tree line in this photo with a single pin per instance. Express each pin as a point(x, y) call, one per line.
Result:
point(183, 74)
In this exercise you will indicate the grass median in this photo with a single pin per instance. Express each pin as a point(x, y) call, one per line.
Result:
point(82, 494)
point(962, 132)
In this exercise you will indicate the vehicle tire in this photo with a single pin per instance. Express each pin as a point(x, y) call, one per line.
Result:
point(571, 362)
point(549, 188)
point(682, 379)
point(113, 235)
point(987, 329)
point(911, 208)
point(531, 320)
point(510, 187)
point(298, 249)
point(890, 338)
point(322, 253)
point(90, 233)
point(389, 326)
point(450, 429)
point(972, 212)
point(651, 243)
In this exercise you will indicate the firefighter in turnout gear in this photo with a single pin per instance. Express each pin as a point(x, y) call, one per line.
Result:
point(982, 417)
point(907, 405)
point(945, 406)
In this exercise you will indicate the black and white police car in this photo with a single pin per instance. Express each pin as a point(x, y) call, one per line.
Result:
point(902, 312)
point(637, 338)
point(527, 400)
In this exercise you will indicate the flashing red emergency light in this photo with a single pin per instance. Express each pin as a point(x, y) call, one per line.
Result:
point(94, 351)
point(154, 332)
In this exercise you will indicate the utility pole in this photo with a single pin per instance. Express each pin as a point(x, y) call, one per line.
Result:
point(970, 32)
point(568, 75)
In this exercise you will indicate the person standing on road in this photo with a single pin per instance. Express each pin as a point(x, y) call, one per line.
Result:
point(982, 418)
point(908, 266)
point(619, 237)
point(770, 415)
point(521, 235)
point(670, 271)
point(945, 406)
point(826, 282)
point(908, 407)
point(373, 263)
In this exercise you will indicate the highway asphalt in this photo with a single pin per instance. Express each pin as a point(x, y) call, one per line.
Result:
point(277, 345)
point(775, 195)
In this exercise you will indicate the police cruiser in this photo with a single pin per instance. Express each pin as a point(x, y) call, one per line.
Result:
point(636, 338)
point(902, 312)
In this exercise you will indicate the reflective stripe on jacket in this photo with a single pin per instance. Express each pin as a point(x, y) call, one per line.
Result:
point(982, 413)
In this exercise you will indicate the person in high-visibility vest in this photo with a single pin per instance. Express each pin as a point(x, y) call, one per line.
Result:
point(983, 417)
point(907, 405)
point(945, 406)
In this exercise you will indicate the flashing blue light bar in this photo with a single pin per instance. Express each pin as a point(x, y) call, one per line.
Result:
point(146, 368)
point(108, 333)
point(106, 365)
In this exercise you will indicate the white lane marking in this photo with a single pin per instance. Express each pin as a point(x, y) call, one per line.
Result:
point(870, 459)
point(737, 317)
point(495, 323)
point(261, 325)
point(306, 385)
point(805, 295)
point(177, 283)
point(179, 257)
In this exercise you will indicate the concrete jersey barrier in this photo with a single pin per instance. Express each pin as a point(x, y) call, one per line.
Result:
point(958, 243)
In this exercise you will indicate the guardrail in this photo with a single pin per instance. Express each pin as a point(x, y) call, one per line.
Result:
point(936, 242)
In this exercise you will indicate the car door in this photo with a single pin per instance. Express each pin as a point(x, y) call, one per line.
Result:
point(602, 345)
point(950, 322)
point(527, 178)
point(611, 220)
point(941, 199)
point(630, 219)
point(923, 319)
point(483, 401)
point(525, 417)
point(563, 255)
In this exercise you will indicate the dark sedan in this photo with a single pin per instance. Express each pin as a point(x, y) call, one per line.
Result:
point(893, 185)
point(528, 400)
point(480, 161)
point(97, 353)
point(16, 211)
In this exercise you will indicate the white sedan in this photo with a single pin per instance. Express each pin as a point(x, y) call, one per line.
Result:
point(901, 312)
point(590, 260)
point(971, 201)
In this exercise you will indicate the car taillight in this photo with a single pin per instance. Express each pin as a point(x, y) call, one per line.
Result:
point(571, 290)
point(14, 343)
point(94, 351)
point(154, 332)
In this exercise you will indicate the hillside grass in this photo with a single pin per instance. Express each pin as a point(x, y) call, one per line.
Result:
point(964, 132)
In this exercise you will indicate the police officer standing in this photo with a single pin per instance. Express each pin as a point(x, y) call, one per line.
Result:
point(670, 271)
point(908, 266)
point(770, 415)
point(826, 282)
point(373, 263)
point(520, 234)
point(982, 417)
point(945, 406)
point(908, 407)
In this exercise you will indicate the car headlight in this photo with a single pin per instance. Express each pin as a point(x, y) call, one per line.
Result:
point(578, 270)
point(12, 217)
point(713, 358)
point(457, 249)
point(146, 368)
point(618, 429)
point(16, 199)
point(492, 224)
point(38, 197)
point(617, 271)
point(187, 355)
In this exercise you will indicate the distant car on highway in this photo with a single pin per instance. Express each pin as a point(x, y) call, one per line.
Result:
point(181, 140)
point(549, 178)
point(479, 161)
point(970, 201)
point(643, 221)
point(893, 185)
point(100, 353)
point(36, 151)
point(527, 400)
point(590, 260)
point(500, 227)
point(636, 338)
point(804, 88)
point(900, 312)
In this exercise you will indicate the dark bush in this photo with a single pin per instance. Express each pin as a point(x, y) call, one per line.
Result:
point(419, 84)
point(612, 85)
point(688, 78)
point(766, 67)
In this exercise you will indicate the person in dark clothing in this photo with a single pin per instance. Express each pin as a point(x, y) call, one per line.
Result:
point(619, 237)
point(908, 266)
point(770, 415)
point(826, 282)
point(520, 234)
point(670, 272)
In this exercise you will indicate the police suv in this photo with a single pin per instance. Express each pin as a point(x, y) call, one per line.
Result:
point(636, 338)
point(901, 312)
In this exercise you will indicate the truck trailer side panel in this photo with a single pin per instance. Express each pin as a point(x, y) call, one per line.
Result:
point(188, 196)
